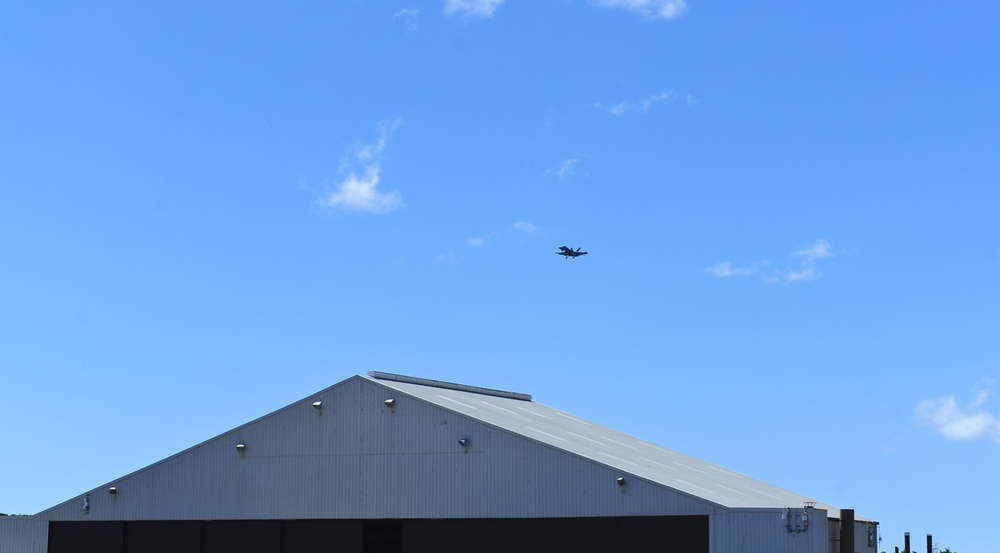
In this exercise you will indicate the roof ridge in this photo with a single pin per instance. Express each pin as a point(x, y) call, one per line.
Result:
point(448, 385)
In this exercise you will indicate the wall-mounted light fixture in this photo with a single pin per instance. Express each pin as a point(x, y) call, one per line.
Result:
point(113, 490)
point(463, 442)
point(318, 406)
point(796, 520)
point(241, 449)
point(621, 481)
point(391, 404)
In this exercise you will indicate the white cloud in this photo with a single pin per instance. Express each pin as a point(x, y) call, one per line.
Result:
point(566, 169)
point(655, 98)
point(726, 269)
point(806, 270)
point(982, 395)
point(654, 9)
point(371, 152)
point(524, 226)
point(359, 193)
point(409, 17)
point(819, 249)
point(483, 8)
point(802, 274)
point(620, 109)
point(643, 105)
point(478, 241)
point(955, 422)
point(447, 258)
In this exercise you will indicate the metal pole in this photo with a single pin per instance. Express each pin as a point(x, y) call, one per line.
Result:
point(906, 543)
point(930, 547)
point(847, 531)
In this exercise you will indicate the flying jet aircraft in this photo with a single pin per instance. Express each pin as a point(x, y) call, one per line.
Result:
point(569, 252)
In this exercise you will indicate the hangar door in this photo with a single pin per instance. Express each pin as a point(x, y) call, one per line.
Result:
point(580, 535)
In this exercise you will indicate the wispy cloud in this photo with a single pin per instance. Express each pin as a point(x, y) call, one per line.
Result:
point(409, 17)
point(524, 226)
point(643, 105)
point(653, 9)
point(956, 422)
point(447, 258)
point(819, 249)
point(656, 98)
point(482, 8)
point(479, 241)
point(620, 108)
point(802, 274)
point(358, 190)
point(567, 168)
point(518, 229)
point(726, 269)
point(807, 268)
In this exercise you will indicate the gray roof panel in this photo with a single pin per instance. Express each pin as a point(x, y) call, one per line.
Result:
point(603, 445)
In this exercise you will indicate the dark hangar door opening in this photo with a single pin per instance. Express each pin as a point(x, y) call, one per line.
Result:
point(687, 534)
point(383, 536)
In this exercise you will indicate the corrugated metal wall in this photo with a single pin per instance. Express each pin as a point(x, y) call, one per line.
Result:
point(23, 535)
point(865, 536)
point(358, 458)
point(764, 531)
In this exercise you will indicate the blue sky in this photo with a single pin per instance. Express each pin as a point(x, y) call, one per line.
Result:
point(208, 211)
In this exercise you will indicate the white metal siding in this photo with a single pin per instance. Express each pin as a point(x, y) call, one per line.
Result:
point(763, 531)
point(358, 458)
point(23, 535)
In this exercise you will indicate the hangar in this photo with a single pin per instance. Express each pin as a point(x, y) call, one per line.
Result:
point(386, 463)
